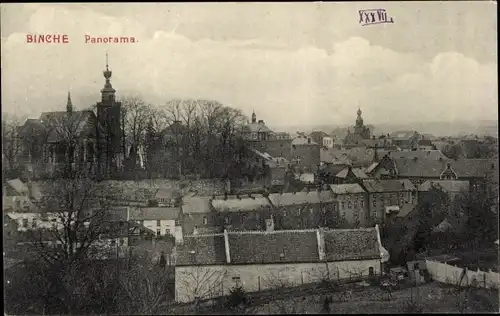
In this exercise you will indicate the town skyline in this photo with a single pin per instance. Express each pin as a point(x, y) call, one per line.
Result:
point(319, 75)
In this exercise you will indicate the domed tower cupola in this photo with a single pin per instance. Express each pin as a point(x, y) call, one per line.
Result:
point(359, 119)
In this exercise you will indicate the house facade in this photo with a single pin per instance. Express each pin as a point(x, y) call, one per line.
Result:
point(353, 203)
point(209, 266)
point(388, 196)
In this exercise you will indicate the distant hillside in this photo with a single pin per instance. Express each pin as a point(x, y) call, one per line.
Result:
point(435, 128)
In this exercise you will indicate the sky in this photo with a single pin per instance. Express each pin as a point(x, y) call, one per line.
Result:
point(291, 63)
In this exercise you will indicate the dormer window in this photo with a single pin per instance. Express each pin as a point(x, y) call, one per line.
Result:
point(205, 220)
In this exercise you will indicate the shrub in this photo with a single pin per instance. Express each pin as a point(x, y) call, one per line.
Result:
point(236, 297)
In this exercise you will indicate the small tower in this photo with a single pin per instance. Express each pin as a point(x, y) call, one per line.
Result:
point(107, 93)
point(254, 117)
point(69, 104)
point(359, 119)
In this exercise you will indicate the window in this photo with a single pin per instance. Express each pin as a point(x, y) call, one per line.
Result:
point(361, 203)
point(122, 242)
point(226, 220)
point(167, 232)
point(33, 224)
point(349, 204)
point(177, 222)
point(25, 222)
point(205, 220)
point(113, 242)
point(355, 204)
point(158, 232)
point(374, 203)
point(343, 204)
point(158, 222)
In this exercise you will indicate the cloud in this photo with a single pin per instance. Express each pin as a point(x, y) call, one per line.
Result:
point(285, 85)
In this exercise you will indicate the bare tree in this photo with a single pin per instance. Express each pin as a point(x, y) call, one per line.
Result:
point(136, 115)
point(146, 289)
point(75, 213)
point(199, 283)
point(11, 145)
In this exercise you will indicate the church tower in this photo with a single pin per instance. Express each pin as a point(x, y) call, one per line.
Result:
point(254, 117)
point(69, 104)
point(109, 117)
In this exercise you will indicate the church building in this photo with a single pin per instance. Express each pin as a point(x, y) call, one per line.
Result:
point(361, 132)
point(73, 139)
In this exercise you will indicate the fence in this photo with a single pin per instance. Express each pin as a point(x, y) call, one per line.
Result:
point(451, 274)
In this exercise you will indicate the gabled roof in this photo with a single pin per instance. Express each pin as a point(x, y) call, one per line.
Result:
point(20, 187)
point(351, 244)
point(273, 247)
point(155, 213)
point(371, 168)
point(412, 154)
point(201, 250)
point(167, 193)
point(358, 173)
point(464, 168)
point(300, 140)
point(390, 185)
point(318, 134)
point(256, 128)
point(446, 185)
point(314, 197)
point(243, 204)
point(406, 209)
point(402, 135)
point(196, 204)
point(348, 188)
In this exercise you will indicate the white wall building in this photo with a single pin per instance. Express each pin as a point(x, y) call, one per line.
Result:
point(211, 265)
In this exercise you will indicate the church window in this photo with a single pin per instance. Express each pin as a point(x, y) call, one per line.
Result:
point(355, 204)
point(349, 205)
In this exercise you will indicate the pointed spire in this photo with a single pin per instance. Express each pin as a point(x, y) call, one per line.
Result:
point(69, 104)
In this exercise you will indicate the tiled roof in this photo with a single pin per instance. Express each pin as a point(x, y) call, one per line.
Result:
point(18, 186)
point(370, 142)
point(246, 204)
point(411, 154)
point(119, 214)
point(358, 172)
point(257, 128)
point(332, 169)
point(348, 188)
point(167, 193)
point(196, 204)
point(406, 209)
point(371, 168)
point(303, 141)
point(446, 185)
point(434, 168)
point(273, 247)
point(201, 250)
point(402, 135)
point(318, 134)
point(351, 244)
point(314, 197)
point(388, 185)
point(274, 147)
point(155, 213)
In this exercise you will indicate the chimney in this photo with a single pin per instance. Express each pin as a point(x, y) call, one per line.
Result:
point(320, 236)
point(226, 246)
point(261, 121)
point(415, 158)
point(238, 196)
point(308, 140)
point(225, 196)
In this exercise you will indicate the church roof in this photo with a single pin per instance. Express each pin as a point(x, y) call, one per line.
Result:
point(259, 127)
point(61, 124)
